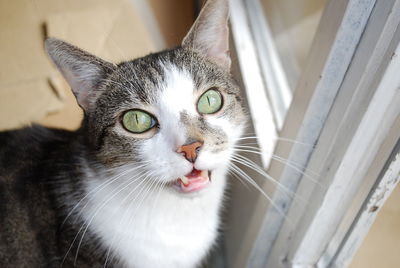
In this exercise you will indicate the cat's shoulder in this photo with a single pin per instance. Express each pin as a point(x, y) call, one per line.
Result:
point(23, 147)
point(34, 133)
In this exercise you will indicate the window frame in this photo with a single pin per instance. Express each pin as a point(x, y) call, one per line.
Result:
point(351, 57)
point(251, 73)
point(274, 77)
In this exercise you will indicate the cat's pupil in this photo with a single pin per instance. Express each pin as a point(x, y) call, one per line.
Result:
point(137, 121)
point(210, 102)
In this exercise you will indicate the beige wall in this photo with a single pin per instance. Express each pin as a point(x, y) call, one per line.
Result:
point(380, 248)
point(174, 17)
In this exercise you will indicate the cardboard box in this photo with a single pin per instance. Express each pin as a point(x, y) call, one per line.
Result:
point(31, 89)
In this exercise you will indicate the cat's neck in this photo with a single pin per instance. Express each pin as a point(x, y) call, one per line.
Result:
point(124, 214)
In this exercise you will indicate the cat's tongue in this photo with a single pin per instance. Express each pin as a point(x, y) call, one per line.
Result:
point(194, 181)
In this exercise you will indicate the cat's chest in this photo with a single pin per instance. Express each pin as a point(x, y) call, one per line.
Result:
point(162, 228)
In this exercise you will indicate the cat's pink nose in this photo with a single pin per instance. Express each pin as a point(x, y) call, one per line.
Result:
point(190, 151)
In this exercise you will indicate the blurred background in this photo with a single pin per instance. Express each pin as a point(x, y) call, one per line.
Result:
point(31, 89)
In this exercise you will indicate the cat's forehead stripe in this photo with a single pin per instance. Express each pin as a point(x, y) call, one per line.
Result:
point(177, 92)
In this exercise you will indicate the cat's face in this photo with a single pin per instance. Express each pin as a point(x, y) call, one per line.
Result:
point(176, 114)
point(167, 92)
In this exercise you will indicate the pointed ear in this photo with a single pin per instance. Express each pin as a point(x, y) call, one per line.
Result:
point(83, 71)
point(210, 33)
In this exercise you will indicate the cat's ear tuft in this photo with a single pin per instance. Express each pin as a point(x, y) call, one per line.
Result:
point(210, 33)
point(83, 71)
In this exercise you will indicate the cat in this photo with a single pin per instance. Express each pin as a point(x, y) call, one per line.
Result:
point(141, 182)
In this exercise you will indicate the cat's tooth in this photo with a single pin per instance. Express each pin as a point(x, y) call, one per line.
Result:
point(204, 173)
point(185, 180)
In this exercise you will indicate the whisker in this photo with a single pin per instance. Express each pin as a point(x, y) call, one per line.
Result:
point(278, 138)
point(255, 185)
point(256, 150)
point(80, 229)
point(121, 187)
point(281, 160)
point(299, 168)
point(161, 186)
point(254, 167)
point(99, 188)
point(148, 174)
point(100, 207)
point(144, 195)
point(239, 178)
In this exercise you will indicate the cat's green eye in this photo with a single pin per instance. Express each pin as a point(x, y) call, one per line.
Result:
point(210, 102)
point(138, 121)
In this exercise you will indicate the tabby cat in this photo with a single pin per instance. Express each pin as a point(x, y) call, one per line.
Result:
point(140, 183)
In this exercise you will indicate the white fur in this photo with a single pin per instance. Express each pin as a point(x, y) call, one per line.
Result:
point(167, 228)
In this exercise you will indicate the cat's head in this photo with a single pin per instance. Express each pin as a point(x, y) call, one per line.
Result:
point(174, 113)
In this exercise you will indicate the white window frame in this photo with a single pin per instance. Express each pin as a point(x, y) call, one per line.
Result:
point(350, 111)
point(275, 81)
point(251, 72)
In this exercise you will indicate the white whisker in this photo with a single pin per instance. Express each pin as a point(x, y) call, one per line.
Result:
point(277, 138)
point(121, 187)
point(289, 164)
point(254, 167)
point(255, 185)
point(99, 188)
point(144, 193)
point(100, 207)
point(256, 150)
point(144, 179)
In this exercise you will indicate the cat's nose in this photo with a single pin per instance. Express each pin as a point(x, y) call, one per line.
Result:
point(190, 150)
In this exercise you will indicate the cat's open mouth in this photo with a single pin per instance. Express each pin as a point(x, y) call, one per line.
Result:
point(195, 181)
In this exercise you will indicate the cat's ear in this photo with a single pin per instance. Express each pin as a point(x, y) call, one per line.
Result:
point(210, 33)
point(83, 71)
